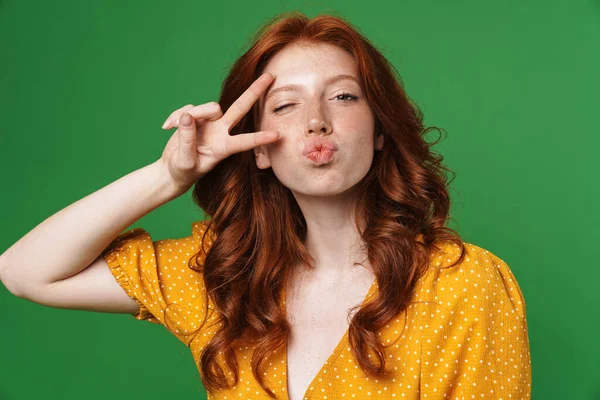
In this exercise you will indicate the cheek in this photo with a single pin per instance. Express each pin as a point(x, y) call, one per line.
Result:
point(277, 150)
point(283, 151)
point(360, 120)
point(285, 143)
point(271, 124)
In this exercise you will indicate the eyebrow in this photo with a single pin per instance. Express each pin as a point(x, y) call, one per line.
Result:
point(299, 87)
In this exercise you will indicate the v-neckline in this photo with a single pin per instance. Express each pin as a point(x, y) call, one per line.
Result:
point(342, 343)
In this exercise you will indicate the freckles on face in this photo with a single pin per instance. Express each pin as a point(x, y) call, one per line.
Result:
point(350, 126)
point(316, 91)
point(315, 87)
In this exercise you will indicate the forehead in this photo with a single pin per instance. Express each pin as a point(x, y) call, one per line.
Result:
point(310, 60)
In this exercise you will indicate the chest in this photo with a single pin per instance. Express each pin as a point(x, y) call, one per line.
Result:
point(319, 316)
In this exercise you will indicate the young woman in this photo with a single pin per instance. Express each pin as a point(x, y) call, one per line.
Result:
point(326, 269)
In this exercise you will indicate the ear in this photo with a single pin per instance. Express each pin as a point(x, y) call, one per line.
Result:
point(379, 139)
point(262, 157)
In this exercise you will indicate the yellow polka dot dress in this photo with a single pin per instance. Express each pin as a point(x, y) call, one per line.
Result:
point(464, 335)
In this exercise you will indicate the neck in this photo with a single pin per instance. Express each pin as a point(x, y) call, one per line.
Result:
point(333, 237)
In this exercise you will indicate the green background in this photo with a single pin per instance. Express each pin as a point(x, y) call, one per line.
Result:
point(85, 87)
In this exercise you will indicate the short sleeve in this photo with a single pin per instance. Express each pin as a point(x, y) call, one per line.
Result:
point(475, 343)
point(157, 275)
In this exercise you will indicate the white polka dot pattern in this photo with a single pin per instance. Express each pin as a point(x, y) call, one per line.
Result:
point(464, 335)
point(156, 274)
point(475, 340)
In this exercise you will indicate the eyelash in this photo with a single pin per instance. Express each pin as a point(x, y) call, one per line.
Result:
point(352, 98)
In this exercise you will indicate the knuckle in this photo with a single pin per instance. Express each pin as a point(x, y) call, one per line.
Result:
point(185, 136)
point(255, 91)
point(186, 166)
point(213, 106)
point(183, 109)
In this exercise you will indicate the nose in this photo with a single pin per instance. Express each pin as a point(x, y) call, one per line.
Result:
point(318, 123)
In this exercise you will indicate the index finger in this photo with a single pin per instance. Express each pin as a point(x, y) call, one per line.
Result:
point(244, 103)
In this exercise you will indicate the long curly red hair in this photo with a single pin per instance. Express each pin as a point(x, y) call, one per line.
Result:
point(260, 231)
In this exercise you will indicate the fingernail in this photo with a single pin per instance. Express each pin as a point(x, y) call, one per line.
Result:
point(185, 120)
point(166, 124)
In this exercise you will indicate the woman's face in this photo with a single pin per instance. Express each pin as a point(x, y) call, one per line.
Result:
point(320, 104)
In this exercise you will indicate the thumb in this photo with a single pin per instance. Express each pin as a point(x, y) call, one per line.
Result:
point(187, 139)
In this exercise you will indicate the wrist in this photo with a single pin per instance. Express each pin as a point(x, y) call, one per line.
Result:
point(166, 185)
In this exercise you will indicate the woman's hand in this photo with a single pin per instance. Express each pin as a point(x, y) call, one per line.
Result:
point(195, 149)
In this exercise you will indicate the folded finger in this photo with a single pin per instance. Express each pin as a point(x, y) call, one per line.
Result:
point(174, 116)
point(208, 111)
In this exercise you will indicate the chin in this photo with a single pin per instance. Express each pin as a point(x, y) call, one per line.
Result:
point(319, 181)
point(322, 189)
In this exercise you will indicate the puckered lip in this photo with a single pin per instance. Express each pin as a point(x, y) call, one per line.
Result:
point(319, 143)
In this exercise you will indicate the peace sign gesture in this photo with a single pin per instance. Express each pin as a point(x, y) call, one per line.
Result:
point(194, 150)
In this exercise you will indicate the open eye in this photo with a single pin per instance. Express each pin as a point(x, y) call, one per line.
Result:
point(348, 97)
